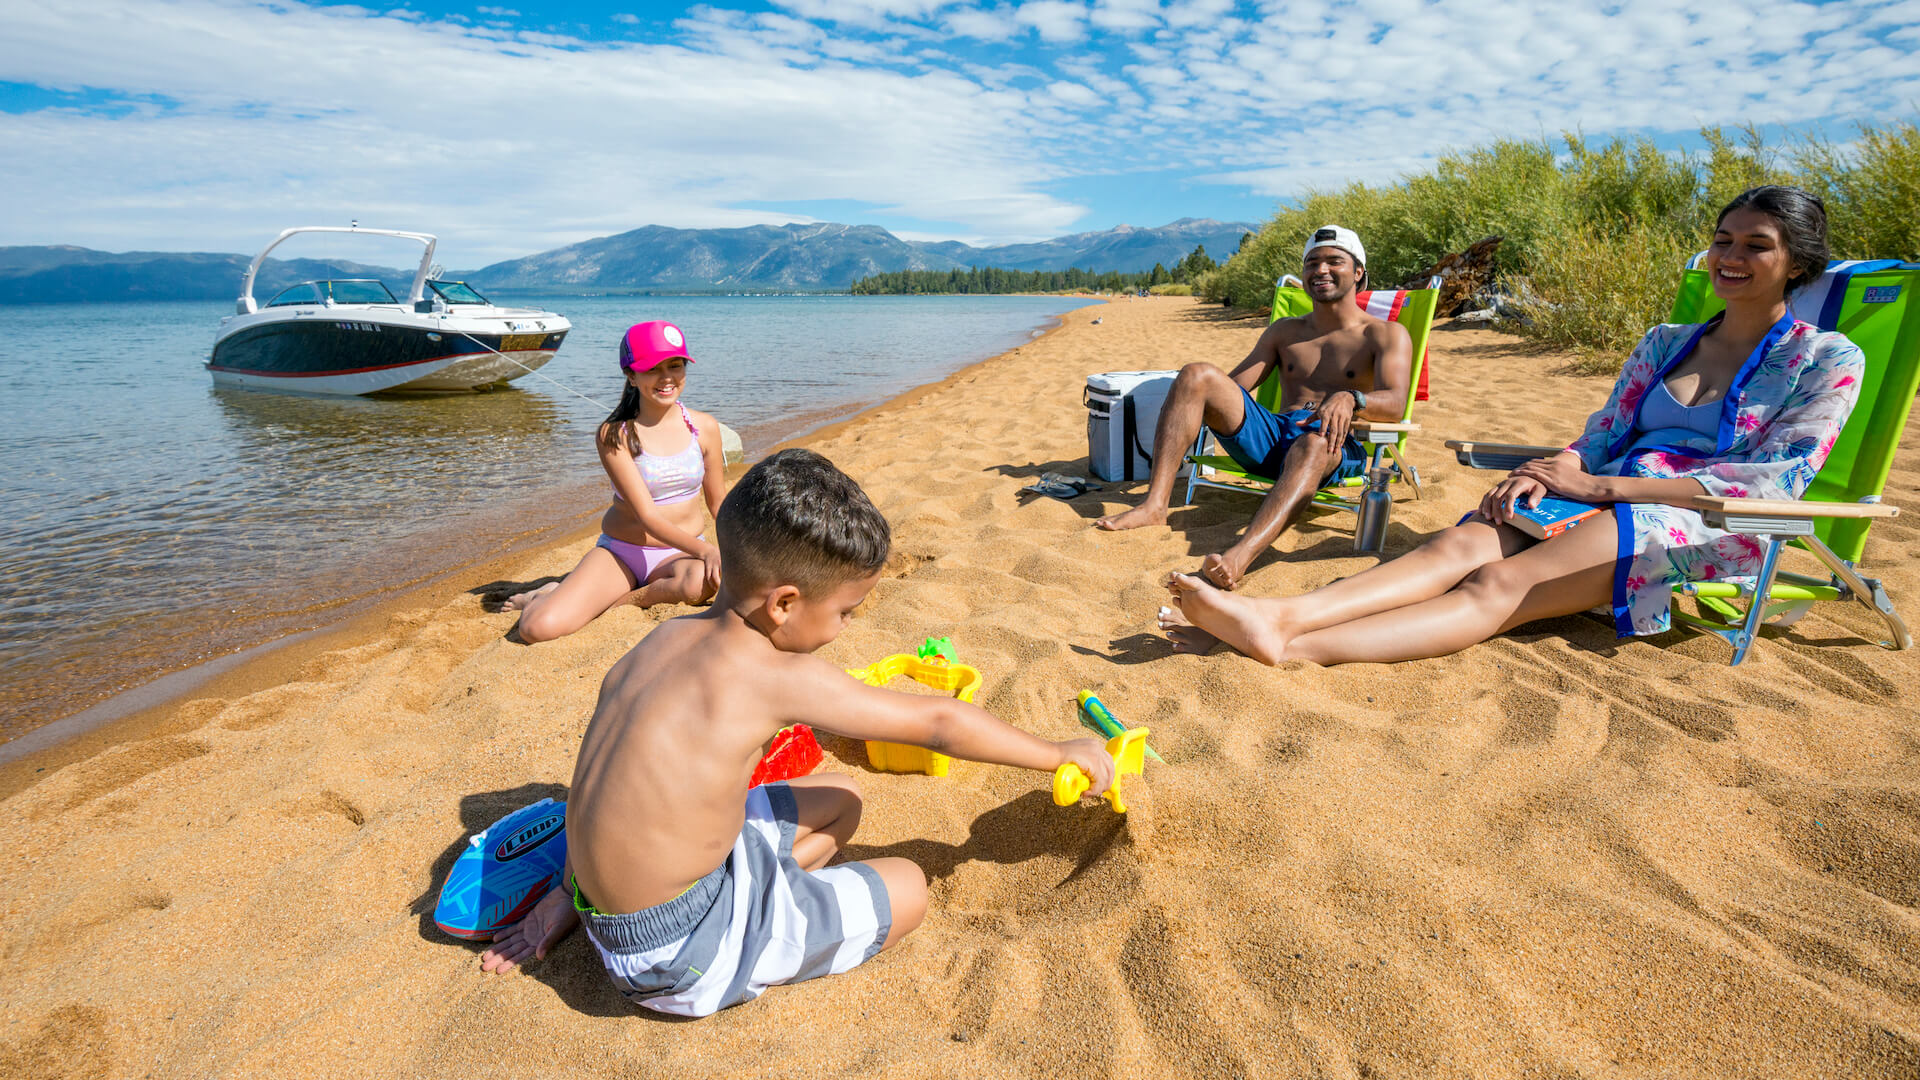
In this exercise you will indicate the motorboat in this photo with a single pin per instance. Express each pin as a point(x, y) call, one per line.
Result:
point(353, 336)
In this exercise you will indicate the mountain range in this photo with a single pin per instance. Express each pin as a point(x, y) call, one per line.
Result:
point(62, 274)
point(830, 256)
point(814, 257)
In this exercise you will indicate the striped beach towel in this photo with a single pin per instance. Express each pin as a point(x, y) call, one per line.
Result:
point(1386, 304)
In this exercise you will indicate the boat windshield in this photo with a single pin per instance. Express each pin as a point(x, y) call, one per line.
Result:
point(306, 292)
point(359, 292)
point(457, 292)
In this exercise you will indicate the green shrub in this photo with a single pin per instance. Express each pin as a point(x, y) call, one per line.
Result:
point(1595, 235)
point(1596, 292)
point(1171, 289)
point(1871, 189)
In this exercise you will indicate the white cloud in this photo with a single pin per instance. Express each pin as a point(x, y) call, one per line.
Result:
point(297, 114)
point(1070, 93)
point(626, 17)
point(1126, 14)
point(247, 116)
point(502, 12)
point(986, 25)
point(873, 13)
point(1054, 20)
point(1191, 13)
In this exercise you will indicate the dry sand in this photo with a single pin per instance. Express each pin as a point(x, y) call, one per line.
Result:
point(1555, 854)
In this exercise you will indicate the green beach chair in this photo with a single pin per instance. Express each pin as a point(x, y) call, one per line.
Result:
point(1411, 308)
point(1874, 304)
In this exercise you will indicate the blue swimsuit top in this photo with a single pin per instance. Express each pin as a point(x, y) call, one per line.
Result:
point(1664, 420)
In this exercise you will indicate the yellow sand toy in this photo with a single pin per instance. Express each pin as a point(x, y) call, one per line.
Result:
point(1128, 750)
point(934, 668)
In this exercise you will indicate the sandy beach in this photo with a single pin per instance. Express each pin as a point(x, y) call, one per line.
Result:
point(1556, 854)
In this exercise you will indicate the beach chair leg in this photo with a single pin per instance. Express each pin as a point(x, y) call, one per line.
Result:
point(1749, 632)
point(1193, 467)
point(1868, 591)
point(1407, 472)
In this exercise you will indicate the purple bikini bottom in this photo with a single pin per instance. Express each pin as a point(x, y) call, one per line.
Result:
point(641, 561)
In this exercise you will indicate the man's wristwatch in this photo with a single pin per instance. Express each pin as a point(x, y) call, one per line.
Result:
point(1359, 400)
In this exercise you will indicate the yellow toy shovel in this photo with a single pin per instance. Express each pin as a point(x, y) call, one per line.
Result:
point(1127, 750)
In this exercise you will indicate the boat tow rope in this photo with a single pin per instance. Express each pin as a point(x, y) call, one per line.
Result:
point(535, 373)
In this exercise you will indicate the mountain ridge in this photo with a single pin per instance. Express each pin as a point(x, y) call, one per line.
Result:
point(830, 255)
point(814, 256)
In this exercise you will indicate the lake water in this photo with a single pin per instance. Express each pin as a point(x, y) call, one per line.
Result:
point(149, 522)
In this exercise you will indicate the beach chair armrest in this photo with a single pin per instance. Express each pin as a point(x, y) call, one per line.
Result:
point(1380, 431)
point(1509, 456)
point(1782, 516)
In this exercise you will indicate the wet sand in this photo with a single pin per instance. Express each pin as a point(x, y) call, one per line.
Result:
point(1555, 854)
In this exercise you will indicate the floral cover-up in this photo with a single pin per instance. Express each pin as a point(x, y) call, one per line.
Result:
point(1779, 420)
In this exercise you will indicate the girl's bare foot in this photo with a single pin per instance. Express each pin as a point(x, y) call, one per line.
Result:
point(519, 601)
point(1186, 637)
point(1240, 621)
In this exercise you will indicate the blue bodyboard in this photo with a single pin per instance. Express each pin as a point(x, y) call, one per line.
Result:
point(505, 870)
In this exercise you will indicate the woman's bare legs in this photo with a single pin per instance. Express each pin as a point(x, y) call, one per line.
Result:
point(1569, 573)
point(1421, 574)
point(594, 586)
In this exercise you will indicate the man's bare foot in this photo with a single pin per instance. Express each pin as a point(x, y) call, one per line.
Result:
point(1240, 621)
point(1225, 569)
point(1186, 637)
point(1138, 517)
point(529, 939)
point(519, 601)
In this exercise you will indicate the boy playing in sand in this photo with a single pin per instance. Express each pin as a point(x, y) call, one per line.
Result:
point(697, 892)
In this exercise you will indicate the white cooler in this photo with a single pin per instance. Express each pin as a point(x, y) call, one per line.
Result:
point(1122, 409)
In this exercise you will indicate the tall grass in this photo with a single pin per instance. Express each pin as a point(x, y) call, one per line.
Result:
point(1595, 234)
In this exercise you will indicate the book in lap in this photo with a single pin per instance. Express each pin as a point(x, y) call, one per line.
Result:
point(1552, 517)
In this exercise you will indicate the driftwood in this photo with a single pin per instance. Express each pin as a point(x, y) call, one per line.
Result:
point(1461, 276)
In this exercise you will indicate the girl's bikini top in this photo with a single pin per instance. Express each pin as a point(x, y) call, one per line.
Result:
point(672, 478)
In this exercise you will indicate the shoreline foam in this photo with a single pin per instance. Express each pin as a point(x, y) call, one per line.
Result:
point(1552, 854)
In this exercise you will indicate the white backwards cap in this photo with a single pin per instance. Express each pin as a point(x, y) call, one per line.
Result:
point(1334, 236)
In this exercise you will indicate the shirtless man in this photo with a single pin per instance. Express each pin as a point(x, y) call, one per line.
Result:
point(1337, 364)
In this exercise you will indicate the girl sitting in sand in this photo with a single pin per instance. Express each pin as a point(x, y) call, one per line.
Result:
point(1748, 404)
point(660, 455)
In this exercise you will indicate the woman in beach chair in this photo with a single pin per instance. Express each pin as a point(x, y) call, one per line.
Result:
point(661, 458)
point(1747, 404)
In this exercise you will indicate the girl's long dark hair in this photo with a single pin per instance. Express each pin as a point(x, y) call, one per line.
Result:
point(613, 428)
point(1802, 218)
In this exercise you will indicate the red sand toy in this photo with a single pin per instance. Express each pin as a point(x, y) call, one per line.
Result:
point(795, 752)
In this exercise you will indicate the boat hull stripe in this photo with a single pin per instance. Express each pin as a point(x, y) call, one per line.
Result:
point(342, 371)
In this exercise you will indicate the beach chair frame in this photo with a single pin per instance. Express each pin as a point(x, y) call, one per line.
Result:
point(1381, 439)
point(1876, 301)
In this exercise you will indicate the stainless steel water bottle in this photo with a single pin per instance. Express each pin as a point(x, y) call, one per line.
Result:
point(1376, 506)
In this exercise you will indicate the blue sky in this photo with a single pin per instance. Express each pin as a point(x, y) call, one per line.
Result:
point(516, 127)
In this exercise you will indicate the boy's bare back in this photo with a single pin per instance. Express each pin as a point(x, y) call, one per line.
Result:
point(660, 786)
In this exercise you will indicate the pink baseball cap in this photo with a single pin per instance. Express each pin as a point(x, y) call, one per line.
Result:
point(647, 344)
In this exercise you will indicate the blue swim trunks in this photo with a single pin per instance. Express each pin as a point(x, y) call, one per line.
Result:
point(1261, 444)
